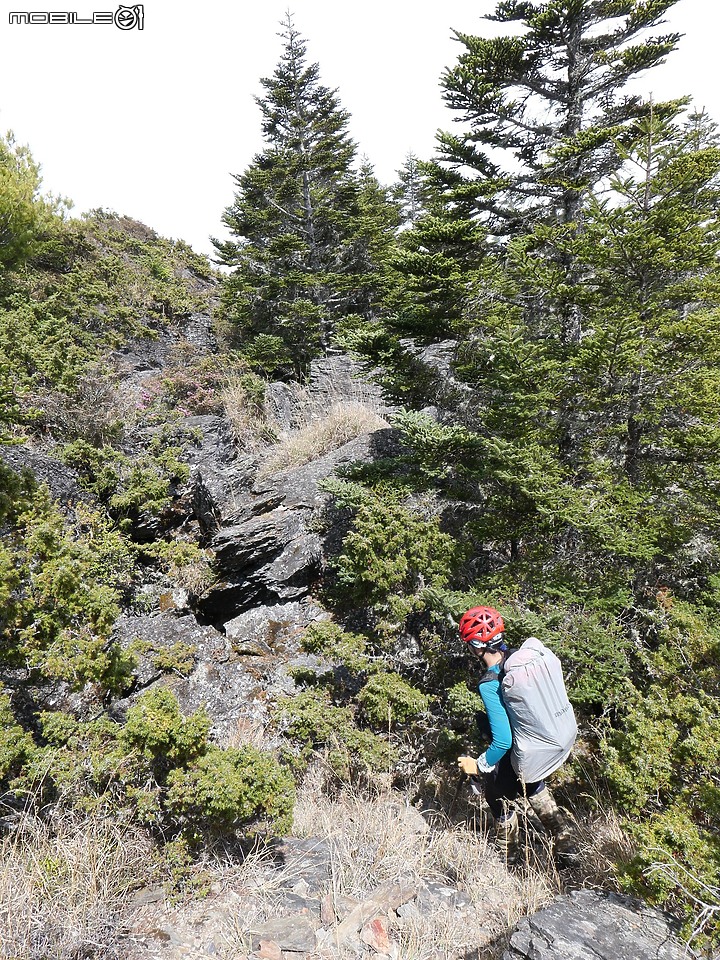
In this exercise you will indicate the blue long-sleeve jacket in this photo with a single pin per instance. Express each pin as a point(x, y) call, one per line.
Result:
point(491, 693)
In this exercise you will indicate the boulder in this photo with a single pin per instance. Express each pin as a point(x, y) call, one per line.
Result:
point(604, 926)
point(282, 406)
point(272, 630)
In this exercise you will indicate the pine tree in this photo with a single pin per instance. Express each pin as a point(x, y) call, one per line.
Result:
point(25, 215)
point(544, 119)
point(546, 110)
point(653, 305)
point(410, 191)
point(301, 253)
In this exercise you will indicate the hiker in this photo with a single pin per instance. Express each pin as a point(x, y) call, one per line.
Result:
point(518, 752)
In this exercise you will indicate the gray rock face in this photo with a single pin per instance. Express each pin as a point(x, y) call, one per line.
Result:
point(307, 861)
point(435, 896)
point(269, 551)
point(268, 630)
point(62, 481)
point(602, 926)
point(235, 678)
point(234, 691)
point(160, 633)
point(293, 933)
point(340, 377)
point(332, 379)
point(219, 478)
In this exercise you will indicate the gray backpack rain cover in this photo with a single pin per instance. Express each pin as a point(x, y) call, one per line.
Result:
point(541, 716)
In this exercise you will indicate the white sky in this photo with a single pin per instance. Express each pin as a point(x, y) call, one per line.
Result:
point(152, 123)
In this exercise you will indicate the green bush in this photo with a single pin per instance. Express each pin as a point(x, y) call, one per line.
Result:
point(228, 790)
point(160, 733)
point(678, 866)
point(461, 705)
point(661, 759)
point(179, 657)
point(81, 292)
point(387, 700)
point(327, 639)
point(67, 580)
point(159, 764)
point(129, 488)
point(391, 557)
point(16, 745)
point(310, 720)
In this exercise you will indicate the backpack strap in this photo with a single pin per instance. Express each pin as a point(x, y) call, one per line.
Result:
point(492, 673)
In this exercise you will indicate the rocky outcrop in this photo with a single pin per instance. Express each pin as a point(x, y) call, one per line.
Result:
point(604, 926)
point(272, 630)
point(271, 549)
point(305, 914)
point(138, 362)
point(235, 678)
point(61, 480)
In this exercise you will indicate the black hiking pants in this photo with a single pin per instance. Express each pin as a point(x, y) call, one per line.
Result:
point(503, 785)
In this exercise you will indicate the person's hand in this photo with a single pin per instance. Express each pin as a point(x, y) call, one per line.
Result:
point(468, 766)
point(483, 766)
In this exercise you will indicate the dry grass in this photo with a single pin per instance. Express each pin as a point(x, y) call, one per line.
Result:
point(380, 840)
point(64, 887)
point(603, 844)
point(323, 423)
point(195, 576)
point(251, 428)
point(326, 431)
point(98, 411)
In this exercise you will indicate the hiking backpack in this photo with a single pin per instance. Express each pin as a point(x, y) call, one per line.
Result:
point(541, 716)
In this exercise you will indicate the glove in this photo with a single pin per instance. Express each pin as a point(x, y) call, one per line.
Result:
point(483, 766)
point(468, 766)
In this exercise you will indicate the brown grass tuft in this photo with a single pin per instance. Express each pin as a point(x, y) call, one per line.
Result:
point(327, 431)
point(383, 839)
point(251, 427)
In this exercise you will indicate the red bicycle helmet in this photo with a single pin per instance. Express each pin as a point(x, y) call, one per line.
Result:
point(480, 625)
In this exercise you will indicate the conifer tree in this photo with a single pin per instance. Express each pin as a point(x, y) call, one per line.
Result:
point(546, 110)
point(653, 305)
point(544, 118)
point(24, 215)
point(410, 191)
point(301, 247)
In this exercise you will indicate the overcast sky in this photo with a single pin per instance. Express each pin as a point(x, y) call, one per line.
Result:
point(152, 123)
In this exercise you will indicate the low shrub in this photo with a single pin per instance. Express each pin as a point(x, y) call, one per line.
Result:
point(186, 563)
point(16, 745)
point(159, 765)
point(661, 763)
point(387, 700)
point(67, 579)
point(462, 704)
point(327, 639)
point(312, 722)
point(128, 487)
point(392, 556)
point(231, 789)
